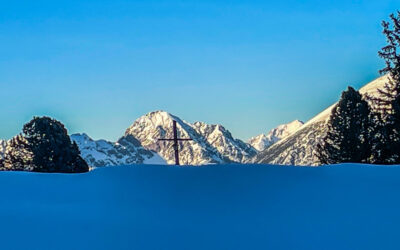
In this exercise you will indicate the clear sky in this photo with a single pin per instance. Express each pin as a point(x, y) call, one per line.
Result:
point(249, 65)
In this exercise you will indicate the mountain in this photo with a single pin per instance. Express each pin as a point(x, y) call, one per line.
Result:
point(284, 130)
point(300, 147)
point(211, 144)
point(127, 151)
point(261, 142)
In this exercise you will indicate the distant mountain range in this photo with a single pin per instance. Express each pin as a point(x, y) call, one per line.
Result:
point(211, 144)
point(293, 143)
point(125, 151)
point(262, 142)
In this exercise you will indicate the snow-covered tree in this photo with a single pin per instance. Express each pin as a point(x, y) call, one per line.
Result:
point(347, 137)
point(18, 155)
point(386, 136)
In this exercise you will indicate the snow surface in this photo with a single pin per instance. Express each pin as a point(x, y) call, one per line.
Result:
point(212, 207)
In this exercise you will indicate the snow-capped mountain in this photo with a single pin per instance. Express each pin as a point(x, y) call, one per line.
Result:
point(210, 144)
point(126, 151)
point(300, 147)
point(221, 139)
point(261, 142)
point(284, 130)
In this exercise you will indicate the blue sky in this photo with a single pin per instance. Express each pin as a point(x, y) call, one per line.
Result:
point(249, 65)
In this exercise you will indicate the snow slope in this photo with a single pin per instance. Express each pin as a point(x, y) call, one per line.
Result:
point(219, 207)
point(126, 151)
point(211, 143)
point(299, 148)
point(261, 142)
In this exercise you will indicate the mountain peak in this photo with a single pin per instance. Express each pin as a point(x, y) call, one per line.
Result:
point(159, 113)
point(82, 136)
point(153, 120)
point(262, 141)
point(259, 142)
point(284, 130)
point(210, 143)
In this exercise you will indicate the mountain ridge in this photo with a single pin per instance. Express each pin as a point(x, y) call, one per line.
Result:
point(263, 141)
point(299, 148)
point(126, 151)
point(211, 143)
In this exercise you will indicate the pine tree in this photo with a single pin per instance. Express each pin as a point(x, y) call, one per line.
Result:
point(44, 146)
point(386, 136)
point(347, 137)
point(52, 148)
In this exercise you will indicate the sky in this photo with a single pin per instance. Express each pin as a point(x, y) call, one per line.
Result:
point(250, 65)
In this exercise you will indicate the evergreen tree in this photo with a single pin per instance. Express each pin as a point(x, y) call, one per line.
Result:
point(44, 146)
point(52, 148)
point(347, 137)
point(386, 136)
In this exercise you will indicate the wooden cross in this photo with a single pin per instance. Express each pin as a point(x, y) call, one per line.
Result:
point(176, 144)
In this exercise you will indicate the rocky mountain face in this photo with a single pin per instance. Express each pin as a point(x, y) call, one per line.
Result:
point(300, 147)
point(261, 142)
point(210, 144)
point(126, 151)
point(221, 139)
